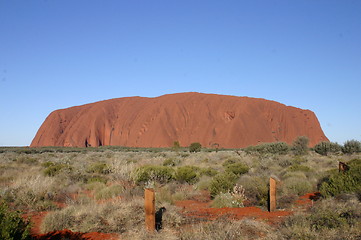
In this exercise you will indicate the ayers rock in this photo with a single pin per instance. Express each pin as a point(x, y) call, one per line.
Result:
point(230, 121)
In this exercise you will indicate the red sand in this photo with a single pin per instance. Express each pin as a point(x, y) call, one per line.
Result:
point(230, 121)
point(203, 210)
point(67, 234)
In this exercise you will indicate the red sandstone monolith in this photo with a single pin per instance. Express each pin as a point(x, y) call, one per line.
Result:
point(272, 194)
point(229, 121)
point(149, 205)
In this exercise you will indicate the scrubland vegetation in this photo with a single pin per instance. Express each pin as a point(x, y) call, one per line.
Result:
point(102, 189)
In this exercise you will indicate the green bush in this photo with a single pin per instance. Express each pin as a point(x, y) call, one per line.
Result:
point(187, 174)
point(351, 146)
point(225, 200)
point(256, 189)
point(195, 147)
point(27, 160)
point(222, 183)
point(298, 167)
point(170, 162)
point(331, 214)
point(162, 174)
point(324, 148)
point(237, 168)
point(12, 225)
point(296, 185)
point(271, 148)
point(176, 146)
point(343, 182)
point(99, 167)
point(51, 168)
point(230, 161)
point(300, 145)
point(109, 192)
point(327, 219)
point(208, 172)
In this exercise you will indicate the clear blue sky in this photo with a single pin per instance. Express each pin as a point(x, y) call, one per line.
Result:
point(61, 53)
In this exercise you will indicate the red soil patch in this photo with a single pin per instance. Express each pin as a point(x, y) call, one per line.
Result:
point(67, 234)
point(202, 210)
point(36, 218)
point(307, 200)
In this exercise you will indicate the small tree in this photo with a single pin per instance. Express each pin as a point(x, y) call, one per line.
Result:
point(324, 148)
point(195, 147)
point(176, 146)
point(300, 145)
point(187, 174)
point(351, 146)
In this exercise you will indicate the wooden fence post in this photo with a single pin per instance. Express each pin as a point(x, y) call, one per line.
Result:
point(272, 194)
point(149, 205)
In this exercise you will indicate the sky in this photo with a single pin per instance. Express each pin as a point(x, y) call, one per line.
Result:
point(60, 53)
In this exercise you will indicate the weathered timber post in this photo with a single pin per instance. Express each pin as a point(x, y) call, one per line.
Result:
point(149, 205)
point(272, 194)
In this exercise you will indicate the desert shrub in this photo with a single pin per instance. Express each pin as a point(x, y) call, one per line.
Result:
point(237, 168)
point(256, 189)
point(187, 174)
point(351, 146)
point(176, 146)
point(99, 167)
point(95, 186)
point(32, 192)
point(298, 186)
point(162, 174)
point(300, 145)
point(299, 159)
point(225, 229)
point(170, 162)
point(285, 162)
point(12, 225)
point(58, 220)
point(299, 167)
point(222, 183)
point(184, 155)
point(343, 182)
point(91, 179)
point(165, 195)
point(271, 148)
point(109, 192)
point(324, 148)
point(328, 219)
point(195, 147)
point(229, 161)
point(234, 198)
point(224, 200)
point(52, 169)
point(116, 216)
point(27, 160)
point(208, 172)
point(204, 183)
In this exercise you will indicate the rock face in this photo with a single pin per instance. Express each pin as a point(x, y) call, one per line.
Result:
point(231, 122)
